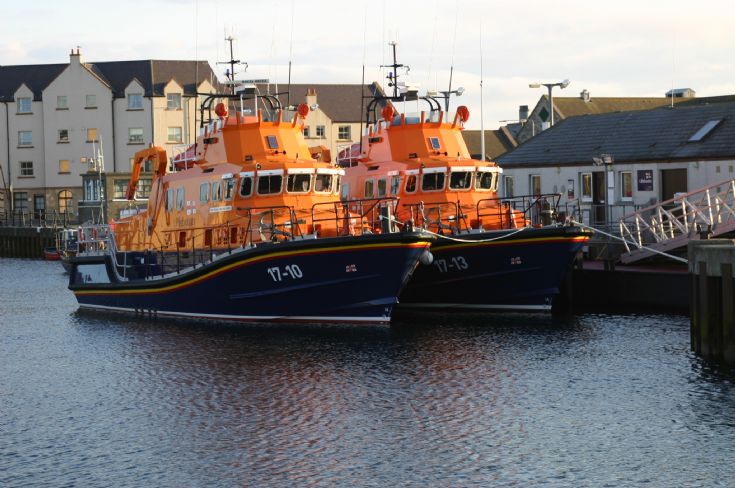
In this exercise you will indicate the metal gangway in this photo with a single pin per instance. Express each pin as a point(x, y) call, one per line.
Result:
point(670, 225)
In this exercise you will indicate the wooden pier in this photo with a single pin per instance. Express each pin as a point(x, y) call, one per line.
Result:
point(711, 265)
point(26, 242)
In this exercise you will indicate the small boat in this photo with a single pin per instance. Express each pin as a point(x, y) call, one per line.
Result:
point(51, 254)
point(246, 226)
point(490, 252)
point(66, 243)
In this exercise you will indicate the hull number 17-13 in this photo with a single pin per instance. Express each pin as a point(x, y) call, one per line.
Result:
point(455, 263)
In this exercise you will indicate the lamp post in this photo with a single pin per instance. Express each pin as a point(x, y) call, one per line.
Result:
point(550, 86)
point(606, 160)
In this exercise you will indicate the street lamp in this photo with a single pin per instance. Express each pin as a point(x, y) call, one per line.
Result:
point(561, 84)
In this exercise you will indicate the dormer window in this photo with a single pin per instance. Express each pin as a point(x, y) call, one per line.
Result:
point(704, 130)
point(173, 101)
point(135, 101)
point(24, 105)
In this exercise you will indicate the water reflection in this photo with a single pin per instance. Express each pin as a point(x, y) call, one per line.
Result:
point(436, 400)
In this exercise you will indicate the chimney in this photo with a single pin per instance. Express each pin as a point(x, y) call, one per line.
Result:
point(75, 58)
point(522, 113)
point(584, 95)
point(310, 96)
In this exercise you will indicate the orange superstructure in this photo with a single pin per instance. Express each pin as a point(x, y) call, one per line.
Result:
point(245, 180)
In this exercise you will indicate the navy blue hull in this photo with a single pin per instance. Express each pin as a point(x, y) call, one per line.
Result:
point(520, 272)
point(324, 280)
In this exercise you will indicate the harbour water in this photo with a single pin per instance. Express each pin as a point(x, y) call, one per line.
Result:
point(436, 400)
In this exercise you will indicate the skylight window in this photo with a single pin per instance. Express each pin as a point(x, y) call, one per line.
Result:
point(706, 129)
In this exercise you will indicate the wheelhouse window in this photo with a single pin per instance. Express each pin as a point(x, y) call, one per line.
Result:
point(170, 199)
point(229, 188)
point(216, 191)
point(395, 185)
point(382, 187)
point(435, 145)
point(411, 183)
point(135, 101)
point(433, 181)
point(535, 184)
point(24, 105)
point(460, 180)
point(626, 185)
point(173, 101)
point(298, 183)
point(484, 180)
point(586, 186)
point(204, 192)
point(272, 142)
point(323, 183)
point(369, 188)
point(246, 186)
point(269, 184)
point(180, 198)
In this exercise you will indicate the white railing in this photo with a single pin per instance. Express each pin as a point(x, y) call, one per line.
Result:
point(672, 223)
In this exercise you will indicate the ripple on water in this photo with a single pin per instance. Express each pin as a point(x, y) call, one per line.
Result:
point(437, 400)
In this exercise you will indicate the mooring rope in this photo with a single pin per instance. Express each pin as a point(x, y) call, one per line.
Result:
point(639, 246)
point(457, 239)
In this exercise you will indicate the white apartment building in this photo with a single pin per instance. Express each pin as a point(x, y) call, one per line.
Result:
point(54, 119)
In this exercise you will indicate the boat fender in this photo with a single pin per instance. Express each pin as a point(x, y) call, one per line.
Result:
point(426, 258)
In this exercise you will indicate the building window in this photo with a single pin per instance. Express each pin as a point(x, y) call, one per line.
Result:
point(306, 131)
point(173, 101)
point(25, 138)
point(26, 169)
point(626, 185)
point(62, 102)
point(586, 187)
point(91, 135)
point(135, 101)
point(535, 184)
point(65, 202)
point(63, 135)
point(90, 101)
point(20, 201)
point(508, 187)
point(143, 190)
point(320, 131)
point(64, 166)
point(174, 134)
point(91, 190)
point(24, 105)
point(344, 132)
point(135, 135)
point(120, 189)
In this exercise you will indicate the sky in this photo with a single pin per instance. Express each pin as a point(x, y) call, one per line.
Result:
point(626, 48)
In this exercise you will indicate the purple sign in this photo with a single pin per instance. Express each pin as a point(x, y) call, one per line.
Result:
point(645, 180)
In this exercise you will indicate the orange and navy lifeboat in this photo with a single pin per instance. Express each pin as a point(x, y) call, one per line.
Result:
point(246, 225)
